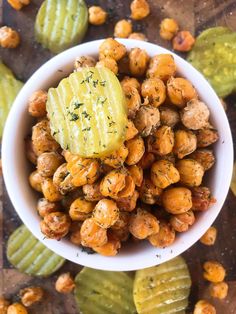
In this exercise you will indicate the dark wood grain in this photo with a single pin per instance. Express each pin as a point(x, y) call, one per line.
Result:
point(193, 15)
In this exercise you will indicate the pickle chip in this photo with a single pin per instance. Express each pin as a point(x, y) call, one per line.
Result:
point(214, 55)
point(30, 256)
point(162, 289)
point(87, 112)
point(233, 181)
point(104, 292)
point(60, 24)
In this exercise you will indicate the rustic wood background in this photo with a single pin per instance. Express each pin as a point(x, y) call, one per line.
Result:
point(193, 15)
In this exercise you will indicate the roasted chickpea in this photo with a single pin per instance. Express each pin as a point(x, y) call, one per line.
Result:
point(180, 91)
point(162, 141)
point(204, 307)
point(195, 115)
point(97, 16)
point(213, 271)
point(47, 163)
point(131, 131)
point(206, 137)
point(113, 183)
point(190, 171)
point(154, 90)
point(131, 81)
point(106, 213)
point(9, 38)
point(123, 29)
point(18, 4)
point(120, 229)
point(128, 203)
point(146, 161)
point(65, 283)
point(149, 193)
point(36, 180)
point(30, 154)
point(162, 66)
point(31, 295)
point(129, 188)
point(169, 116)
point(136, 150)
point(219, 290)
point(147, 120)
point(138, 36)
point(4, 304)
point(117, 158)
point(168, 28)
point(63, 179)
point(170, 157)
point(110, 248)
point(109, 63)
point(92, 235)
point(37, 104)
point(83, 62)
point(133, 100)
point(201, 198)
point(185, 143)
point(75, 236)
point(205, 157)
point(44, 207)
point(42, 139)
point(183, 41)
point(138, 61)
point(111, 48)
point(139, 9)
point(177, 200)
point(16, 308)
point(79, 207)
point(163, 174)
point(182, 222)
point(165, 237)
point(55, 225)
point(209, 236)
point(50, 190)
point(92, 192)
point(136, 173)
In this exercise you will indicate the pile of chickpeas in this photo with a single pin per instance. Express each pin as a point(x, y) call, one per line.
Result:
point(150, 188)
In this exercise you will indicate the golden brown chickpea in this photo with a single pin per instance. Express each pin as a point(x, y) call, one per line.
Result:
point(219, 290)
point(16, 308)
point(128, 203)
point(206, 137)
point(136, 150)
point(168, 28)
point(123, 29)
point(146, 161)
point(42, 139)
point(185, 143)
point(149, 193)
point(165, 237)
point(111, 48)
point(138, 61)
point(138, 36)
point(79, 207)
point(162, 141)
point(37, 104)
point(139, 9)
point(201, 198)
point(183, 41)
point(147, 120)
point(143, 224)
point(30, 154)
point(65, 283)
point(36, 180)
point(133, 100)
point(92, 235)
point(63, 179)
point(106, 213)
point(92, 192)
point(154, 90)
point(195, 115)
point(18, 4)
point(209, 236)
point(47, 163)
point(213, 271)
point(169, 116)
point(136, 173)
point(75, 236)
point(163, 174)
point(205, 157)
point(182, 222)
point(109, 63)
point(50, 190)
point(97, 16)
point(55, 225)
point(162, 66)
point(44, 207)
point(204, 307)
point(83, 62)
point(131, 81)
point(113, 183)
point(190, 171)
point(177, 200)
point(9, 38)
point(129, 188)
point(131, 131)
point(4, 304)
point(117, 158)
point(180, 91)
point(110, 248)
point(31, 295)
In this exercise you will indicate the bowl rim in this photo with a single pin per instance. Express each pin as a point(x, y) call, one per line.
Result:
point(16, 191)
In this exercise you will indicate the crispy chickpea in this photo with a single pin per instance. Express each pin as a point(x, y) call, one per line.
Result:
point(183, 41)
point(113, 183)
point(138, 36)
point(16, 308)
point(50, 190)
point(117, 158)
point(75, 236)
point(139, 9)
point(129, 188)
point(204, 307)
point(65, 283)
point(47, 163)
point(133, 100)
point(154, 90)
point(213, 271)
point(147, 120)
point(191, 172)
point(136, 150)
point(31, 295)
point(120, 229)
point(180, 91)
point(206, 137)
point(163, 174)
point(169, 116)
point(30, 154)
point(79, 207)
point(111, 48)
point(123, 29)
point(18, 4)
point(63, 179)
point(131, 130)
point(106, 213)
point(97, 16)
point(36, 180)
point(195, 115)
point(42, 139)
point(165, 237)
point(177, 200)
point(131, 81)
point(136, 173)
point(185, 143)
point(209, 236)
point(109, 63)
point(201, 198)
point(219, 290)
point(162, 141)
point(205, 157)
point(111, 248)
point(128, 203)
point(37, 104)
point(162, 66)
point(4, 304)
point(146, 161)
point(9, 38)
point(92, 235)
point(55, 225)
point(182, 222)
point(92, 192)
point(44, 207)
point(149, 193)
point(83, 62)
point(138, 61)
point(168, 28)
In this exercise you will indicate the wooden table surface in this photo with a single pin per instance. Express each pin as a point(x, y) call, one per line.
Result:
point(193, 15)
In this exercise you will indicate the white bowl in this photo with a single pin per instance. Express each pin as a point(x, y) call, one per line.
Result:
point(16, 168)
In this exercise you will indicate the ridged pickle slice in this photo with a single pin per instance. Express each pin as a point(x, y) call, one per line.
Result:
point(104, 292)
point(162, 289)
point(214, 54)
point(60, 24)
point(9, 88)
point(87, 112)
point(30, 256)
